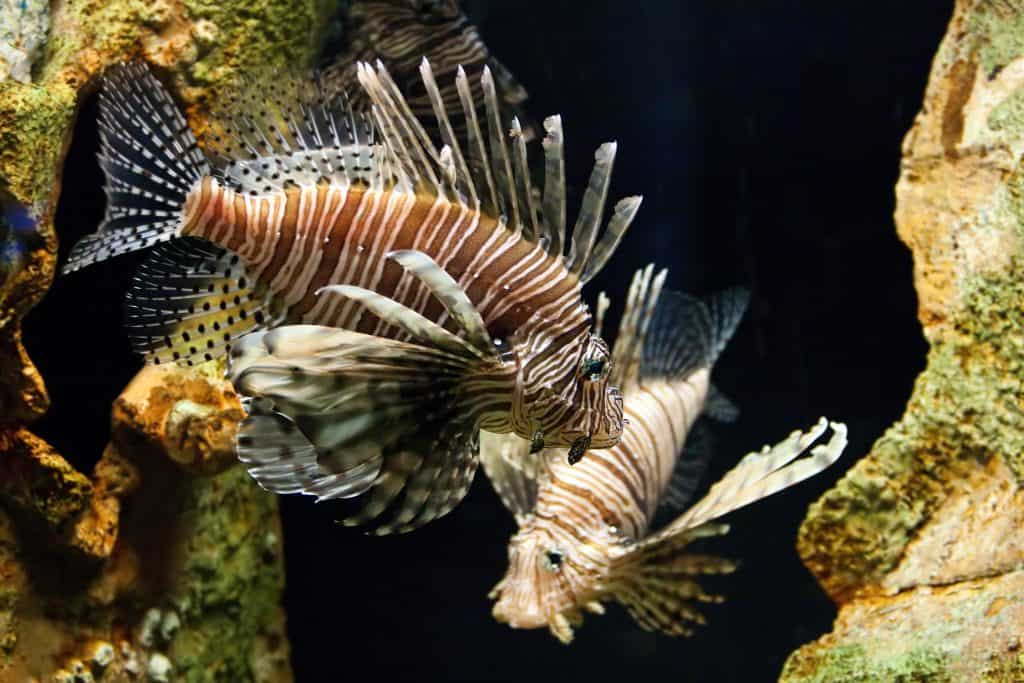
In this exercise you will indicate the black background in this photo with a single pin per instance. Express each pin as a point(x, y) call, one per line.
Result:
point(765, 137)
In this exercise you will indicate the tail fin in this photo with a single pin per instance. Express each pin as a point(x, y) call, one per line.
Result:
point(688, 334)
point(151, 161)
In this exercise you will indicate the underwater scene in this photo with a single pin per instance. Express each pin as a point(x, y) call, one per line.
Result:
point(433, 340)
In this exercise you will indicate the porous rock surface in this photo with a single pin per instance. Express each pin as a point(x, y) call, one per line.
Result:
point(164, 562)
point(921, 544)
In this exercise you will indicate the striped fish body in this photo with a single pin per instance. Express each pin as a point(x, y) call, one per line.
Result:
point(401, 33)
point(584, 531)
point(564, 550)
point(621, 487)
point(382, 299)
point(298, 240)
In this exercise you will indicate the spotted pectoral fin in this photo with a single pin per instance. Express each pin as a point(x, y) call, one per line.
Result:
point(513, 468)
point(375, 411)
point(190, 301)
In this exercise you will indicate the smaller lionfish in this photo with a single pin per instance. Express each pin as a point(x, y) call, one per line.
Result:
point(382, 300)
point(584, 533)
point(401, 33)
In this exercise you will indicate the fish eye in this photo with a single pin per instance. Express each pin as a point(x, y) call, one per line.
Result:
point(552, 560)
point(594, 368)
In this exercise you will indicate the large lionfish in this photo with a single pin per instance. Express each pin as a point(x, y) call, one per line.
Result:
point(584, 532)
point(400, 33)
point(448, 300)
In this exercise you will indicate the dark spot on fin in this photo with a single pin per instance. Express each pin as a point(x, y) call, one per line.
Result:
point(188, 303)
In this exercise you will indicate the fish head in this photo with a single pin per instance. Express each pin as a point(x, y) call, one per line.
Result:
point(549, 578)
point(591, 414)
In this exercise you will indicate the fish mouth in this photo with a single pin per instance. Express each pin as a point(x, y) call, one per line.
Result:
point(558, 624)
point(519, 618)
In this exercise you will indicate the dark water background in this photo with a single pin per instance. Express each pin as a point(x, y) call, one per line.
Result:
point(765, 137)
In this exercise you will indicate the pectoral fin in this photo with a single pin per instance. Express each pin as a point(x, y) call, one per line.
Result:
point(656, 578)
point(356, 414)
point(513, 468)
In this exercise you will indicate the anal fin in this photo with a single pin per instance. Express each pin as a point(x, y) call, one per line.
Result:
point(190, 301)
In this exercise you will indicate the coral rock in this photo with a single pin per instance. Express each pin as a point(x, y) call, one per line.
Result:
point(23, 27)
point(189, 416)
point(39, 482)
point(162, 521)
point(921, 541)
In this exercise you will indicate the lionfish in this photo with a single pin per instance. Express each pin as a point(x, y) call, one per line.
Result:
point(584, 534)
point(400, 33)
point(413, 295)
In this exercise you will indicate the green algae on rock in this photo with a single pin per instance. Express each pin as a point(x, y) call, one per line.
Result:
point(920, 541)
point(204, 556)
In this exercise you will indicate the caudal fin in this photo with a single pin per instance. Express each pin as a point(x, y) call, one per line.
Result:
point(151, 161)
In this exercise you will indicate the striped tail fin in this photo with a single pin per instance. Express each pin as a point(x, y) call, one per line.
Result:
point(151, 161)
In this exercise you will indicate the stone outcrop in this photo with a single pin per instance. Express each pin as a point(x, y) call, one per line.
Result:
point(922, 541)
point(163, 561)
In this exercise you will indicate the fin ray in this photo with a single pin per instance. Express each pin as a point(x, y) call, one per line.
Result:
point(190, 301)
point(687, 334)
point(450, 294)
point(379, 413)
point(151, 161)
point(505, 191)
point(512, 470)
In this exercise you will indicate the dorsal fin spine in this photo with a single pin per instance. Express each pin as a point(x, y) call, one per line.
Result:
point(641, 301)
point(505, 189)
point(475, 139)
point(499, 152)
point(447, 134)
